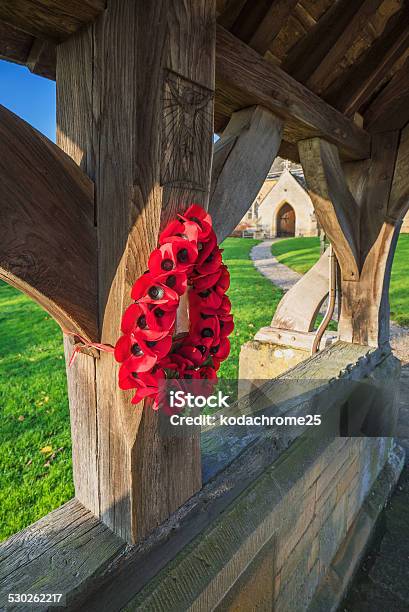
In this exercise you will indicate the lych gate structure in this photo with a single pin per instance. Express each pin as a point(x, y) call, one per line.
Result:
point(141, 88)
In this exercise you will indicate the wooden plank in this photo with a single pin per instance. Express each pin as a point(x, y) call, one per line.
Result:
point(335, 207)
point(351, 92)
point(306, 56)
point(52, 20)
point(374, 208)
point(60, 553)
point(48, 240)
point(260, 21)
point(299, 307)
point(148, 164)
point(321, 77)
point(241, 161)
point(399, 197)
point(243, 78)
point(42, 59)
point(390, 109)
point(14, 44)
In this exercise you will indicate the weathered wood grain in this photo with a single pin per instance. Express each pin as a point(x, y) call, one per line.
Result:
point(325, 39)
point(322, 76)
point(335, 207)
point(135, 111)
point(260, 21)
point(47, 234)
point(14, 44)
point(42, 59)
point(358, 84)
point(399, 197)
point(53, 20)
point(365, 240)
point(61, 553)
point(390, 109)
point(241, 160)
point(299, 307)
point(243, 78)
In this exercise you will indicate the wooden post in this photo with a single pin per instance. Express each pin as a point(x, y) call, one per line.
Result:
point(135, 110)
point(364, 236)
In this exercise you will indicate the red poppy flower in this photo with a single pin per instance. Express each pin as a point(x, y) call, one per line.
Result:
point(179, 229)
point(148, 289)
point(226, 325)
point(201, 218)
point(165, 267)
point(137, 358)
point(205, 301)
point(161, 318)
point(195, 354)
point(208, 373)
point(201, 282)
point(223, 282)
point(148, 386)
point(212, 263)
point(222, 350)
point(135, 320)
point(206, 331)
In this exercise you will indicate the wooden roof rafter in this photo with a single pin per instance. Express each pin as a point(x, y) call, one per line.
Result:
point(244, 78)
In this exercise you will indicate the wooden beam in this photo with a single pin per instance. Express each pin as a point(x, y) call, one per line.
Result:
point(356, 87)
point(243, 78)
point(390, 109)
point(322, 76)
point(52, 20)
point(21, 48)
point(335, 206)
point(144, 129)
point(47, 234)
point(14, 44)
point(260, 21)
point(299, 307)
point(370, 242)
point(309, 52)
point(241, 160)
point(42, 59)
point(399, 197)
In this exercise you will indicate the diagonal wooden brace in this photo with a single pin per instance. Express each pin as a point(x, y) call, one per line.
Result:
point(48, 242)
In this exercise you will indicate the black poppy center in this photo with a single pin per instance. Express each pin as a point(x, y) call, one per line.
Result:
point(171, 281)
point(136, 350)
point(134, 374)
point(167, 265)
point(183, 255)
point(207, 332)
point(151, 343)
point(201, 348)
point(205, 316)
point(141, 322)
point(214, 349)
point(209, 259)
point(196, 220)
point(205, 293)
point(156, 293)
point(159, 313)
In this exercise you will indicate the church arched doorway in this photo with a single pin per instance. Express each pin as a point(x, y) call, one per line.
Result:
point(286, 221)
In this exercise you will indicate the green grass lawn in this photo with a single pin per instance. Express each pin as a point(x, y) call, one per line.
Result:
point(35, 443)
point(301, 253)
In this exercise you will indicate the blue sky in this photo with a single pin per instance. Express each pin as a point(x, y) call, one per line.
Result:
point(29, 96)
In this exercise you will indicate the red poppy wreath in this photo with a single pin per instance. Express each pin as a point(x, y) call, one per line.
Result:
point(187, 259)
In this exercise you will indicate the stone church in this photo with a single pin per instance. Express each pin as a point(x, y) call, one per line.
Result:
point(283, 207)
